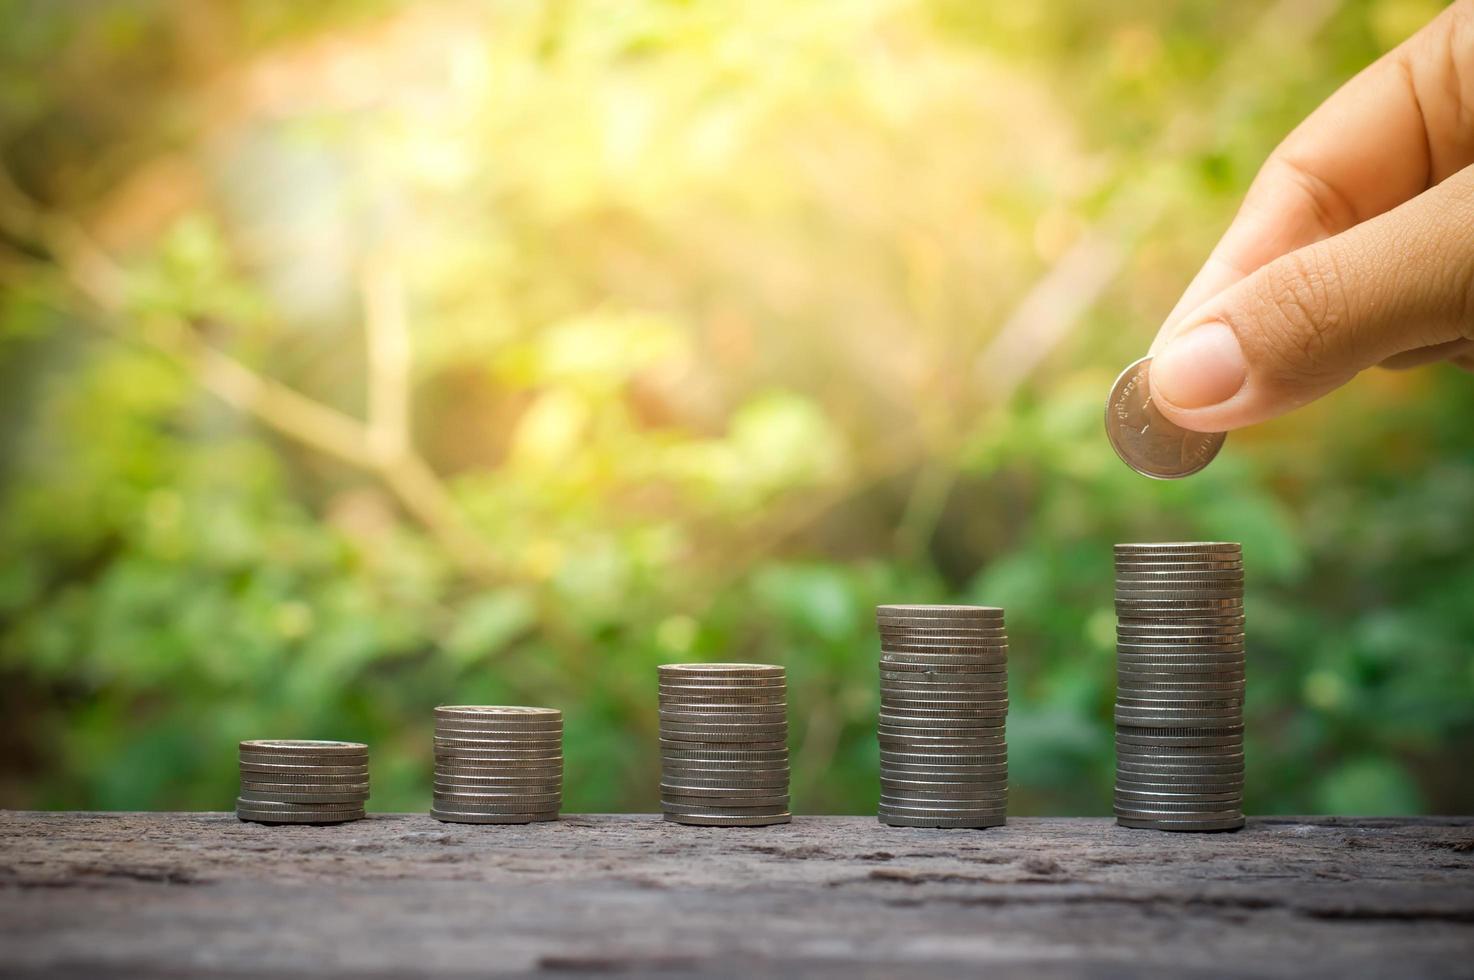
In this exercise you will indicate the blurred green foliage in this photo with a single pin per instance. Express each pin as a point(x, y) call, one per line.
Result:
point(693, 305)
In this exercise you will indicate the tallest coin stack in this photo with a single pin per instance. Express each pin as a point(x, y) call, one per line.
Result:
point(1180, 686)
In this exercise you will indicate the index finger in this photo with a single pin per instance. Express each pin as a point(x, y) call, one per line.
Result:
point(1385, 136)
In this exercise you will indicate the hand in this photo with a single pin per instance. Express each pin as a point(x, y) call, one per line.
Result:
point(1353, 247)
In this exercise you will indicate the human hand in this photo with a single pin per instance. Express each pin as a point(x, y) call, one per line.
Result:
point(1354, 247)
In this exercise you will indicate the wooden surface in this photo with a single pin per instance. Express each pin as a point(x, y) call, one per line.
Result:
point(201, 894)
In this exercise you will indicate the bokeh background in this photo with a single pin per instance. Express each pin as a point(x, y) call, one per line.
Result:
point(359, 356)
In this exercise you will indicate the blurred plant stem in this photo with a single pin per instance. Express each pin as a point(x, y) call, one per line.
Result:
point(380, 446)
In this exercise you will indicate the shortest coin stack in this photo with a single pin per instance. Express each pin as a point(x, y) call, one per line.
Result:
point(497, 764)
point(724, 744)
point(300, 781)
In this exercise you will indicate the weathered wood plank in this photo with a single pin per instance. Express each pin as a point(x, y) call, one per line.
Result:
point(205, 895)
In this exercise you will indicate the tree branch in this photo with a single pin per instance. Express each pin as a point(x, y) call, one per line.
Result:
point(381, 447)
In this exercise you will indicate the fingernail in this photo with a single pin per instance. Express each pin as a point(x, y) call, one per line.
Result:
point(1202, 367)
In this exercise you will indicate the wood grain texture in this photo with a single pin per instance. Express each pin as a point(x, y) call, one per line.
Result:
point(202, 894)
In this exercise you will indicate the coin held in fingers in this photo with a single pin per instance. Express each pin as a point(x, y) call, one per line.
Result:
point(1145, 439)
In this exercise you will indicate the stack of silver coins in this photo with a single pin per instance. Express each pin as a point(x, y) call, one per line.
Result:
point(943, 705)
point(497, 764)
point(1180, 686)
point(300, 781)
point(724, 744)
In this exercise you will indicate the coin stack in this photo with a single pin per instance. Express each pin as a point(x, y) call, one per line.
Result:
point(724, 744)
point(497, 764)
point(298, 781)
point(943, 704)
point(1180, 686)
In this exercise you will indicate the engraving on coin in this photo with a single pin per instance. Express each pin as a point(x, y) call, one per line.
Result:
point(1145, 439)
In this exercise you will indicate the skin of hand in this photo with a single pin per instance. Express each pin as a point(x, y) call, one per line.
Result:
point(1354, 247)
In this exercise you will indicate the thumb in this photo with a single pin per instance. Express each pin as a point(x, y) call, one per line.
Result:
point(1309, 321)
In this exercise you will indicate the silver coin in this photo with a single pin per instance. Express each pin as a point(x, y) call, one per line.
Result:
point(1170, 601)
point(686, 748)
point(672, 801)
point(1186, 683)
point(1200, 680)
point(984, 729)
point(473, 784)
point(724, 670)
point(1184, 737)
point(990, 756)
point(990, 726)
point(685, 753)
point(942, 698)
point(462, 816)
point(963, 672)
point(724, 733)
point(942, 811)
point(1177, 572)
point(682, 783)
point(447, 803)
point(1230, 785)
point(1178, 755)
point(1145, 439)
point(766, 696)
point(681, 795)
point(263, 786)
point(919, 790)
point(1181, 632)
point(254, 796)
point(1188, 653)
point(1233, 730)
point(498, 723)
point(1165, 681)
point(939, 637)
point(301, 816)
point(1134, 712)
point(516, 744)
point(943, 639)
point(518, 768)
point(944, 685)
point(497, 760)
point(298, 746)
point(942, 611)
point(1178, 703)
point(1207, 664)
point(1172, 767)
point(297, 776)
point(1186, 672)
point(723, 713)
point(1172, 566)
point(1178, 547)
point(1198, 826)
point(497, 711)
point(717, 740)
point(943, 823)
point(722, 809)
point(317, 762)
point(964, 714)
point(1216, 799)
point(942, 773)
point(1204, 813)
point(718, 820)
point(962, 747)
point(493, 796)
point(767, 769)
point(478, 735)
point(288, 806)
point(899, 659)
point(306, 771)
